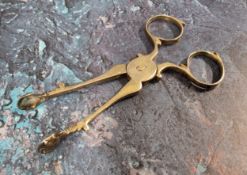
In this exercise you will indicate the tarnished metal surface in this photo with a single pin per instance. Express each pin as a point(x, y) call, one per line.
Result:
point(169, 128)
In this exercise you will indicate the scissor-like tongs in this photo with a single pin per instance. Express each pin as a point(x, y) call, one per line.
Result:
point(139, 70)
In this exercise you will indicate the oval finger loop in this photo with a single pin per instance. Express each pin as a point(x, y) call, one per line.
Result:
point(214, 56)
point(169, 19)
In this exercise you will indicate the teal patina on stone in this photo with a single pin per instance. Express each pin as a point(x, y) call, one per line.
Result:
point(6, 144)
point(15, 94)
point(60, 6)
point(42, 46)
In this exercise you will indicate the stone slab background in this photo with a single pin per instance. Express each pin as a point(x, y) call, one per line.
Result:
point(168, 128)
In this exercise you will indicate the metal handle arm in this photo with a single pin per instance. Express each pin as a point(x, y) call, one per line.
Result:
point(30, 101)
point(50, 143)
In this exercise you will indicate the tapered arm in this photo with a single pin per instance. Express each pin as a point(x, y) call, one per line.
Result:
point(50, 143)
point(30, 101)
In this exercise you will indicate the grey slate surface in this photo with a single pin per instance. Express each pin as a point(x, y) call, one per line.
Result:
point(168, 128)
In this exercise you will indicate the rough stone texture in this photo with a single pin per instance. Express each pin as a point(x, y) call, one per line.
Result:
point(168, 128)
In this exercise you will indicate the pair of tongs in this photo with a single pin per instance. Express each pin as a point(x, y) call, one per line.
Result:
point(139, 70)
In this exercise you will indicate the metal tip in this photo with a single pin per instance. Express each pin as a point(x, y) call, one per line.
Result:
point(49, 144)
point(29, 101)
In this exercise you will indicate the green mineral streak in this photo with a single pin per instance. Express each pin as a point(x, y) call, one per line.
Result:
point(59, 69)
point(27, 173)
point(201, 168)
point(17, 118)
point(83, 8)
point(61, 6)
point(77, 40)
point(3, 118)
point(1, 92)
point(9, 169)
point(37, 130)
point(42, 46)
point(18, 154)
point(5, 144)
point(24, 124)
point(46, 173)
